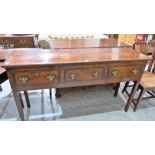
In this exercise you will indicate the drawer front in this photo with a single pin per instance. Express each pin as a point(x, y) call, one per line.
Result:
point(124, 71)
point(84, 74)
point(35, 77)
point(134, 71)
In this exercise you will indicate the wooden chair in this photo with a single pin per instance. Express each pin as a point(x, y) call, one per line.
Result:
point(140, 37)
point(147, 83)
point(143, 47)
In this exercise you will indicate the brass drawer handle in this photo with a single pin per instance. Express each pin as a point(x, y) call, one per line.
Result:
point(96, 75)
point(23, 79)
point(135, 71)
point(50, 77)
point(115, 73)
point(73, 76)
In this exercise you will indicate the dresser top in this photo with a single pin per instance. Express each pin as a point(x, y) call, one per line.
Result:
point(87, 43)
point(37, 57)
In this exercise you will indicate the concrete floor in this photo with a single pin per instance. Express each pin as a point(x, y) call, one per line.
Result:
point(146, 112)
point(53, 111)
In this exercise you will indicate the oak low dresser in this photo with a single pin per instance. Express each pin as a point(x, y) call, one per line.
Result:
point(40, 69)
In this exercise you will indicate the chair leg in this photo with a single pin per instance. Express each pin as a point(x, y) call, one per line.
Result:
point(27, 99)
point(21, 100)
point(114, 86)
point(116, 89)
point(153, 91)
point(50, 93)
point(58, 95)
point(139, 99)
point(0, 88)
point(125, 87)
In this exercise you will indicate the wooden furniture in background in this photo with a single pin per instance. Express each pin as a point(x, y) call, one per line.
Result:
point(140, 37)
point(18, 41)
point(113, 36)
point(41, 69)
point(153, 37)
point(144, 47)
point(72, 36)
point(87, 43)
point(44, 40)
point(145, 37)
point(131, 38)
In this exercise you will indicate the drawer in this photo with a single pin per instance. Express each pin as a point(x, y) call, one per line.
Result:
point(84, 74)
point(34, 76)
point(124, 71)
point(134, 71)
